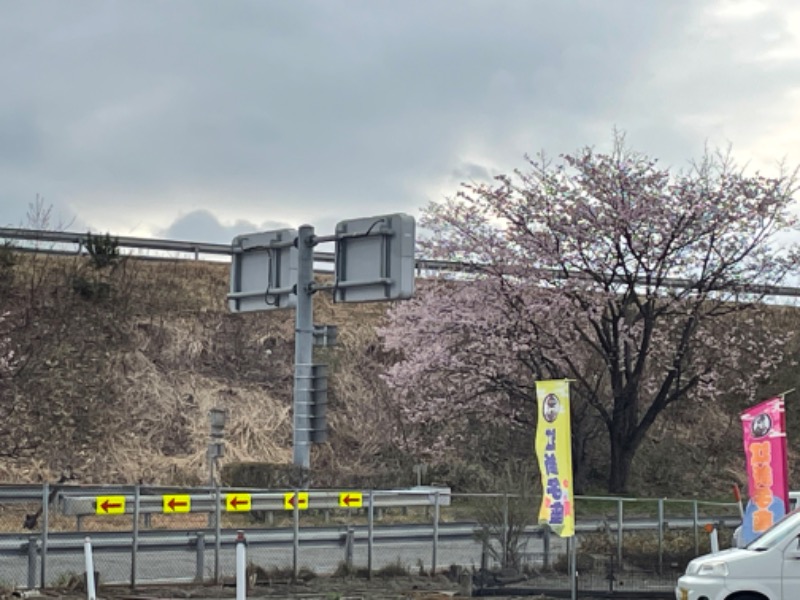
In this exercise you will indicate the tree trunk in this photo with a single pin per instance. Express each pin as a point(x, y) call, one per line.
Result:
point(619, 469)
point(580, 464)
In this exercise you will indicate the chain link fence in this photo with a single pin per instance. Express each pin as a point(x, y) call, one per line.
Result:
point(493, 539)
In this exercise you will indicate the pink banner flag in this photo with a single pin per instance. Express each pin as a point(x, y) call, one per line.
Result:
point(764, 429)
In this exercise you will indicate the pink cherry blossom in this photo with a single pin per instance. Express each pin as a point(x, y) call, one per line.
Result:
point(642, 285)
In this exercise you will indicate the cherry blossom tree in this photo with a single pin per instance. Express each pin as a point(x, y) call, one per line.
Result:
point(643, 286)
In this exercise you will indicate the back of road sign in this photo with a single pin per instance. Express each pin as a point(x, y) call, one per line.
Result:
point(263, 271)
point(375, 258)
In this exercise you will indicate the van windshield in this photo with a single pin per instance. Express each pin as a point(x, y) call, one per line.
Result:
point(781, 530)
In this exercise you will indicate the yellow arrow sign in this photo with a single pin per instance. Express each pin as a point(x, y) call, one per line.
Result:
point(110, 505)
point(237, 502)
point(351, 499)
point(181, 503)
point(290, 498)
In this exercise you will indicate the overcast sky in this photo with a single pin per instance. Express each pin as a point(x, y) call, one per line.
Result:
point(200, 120)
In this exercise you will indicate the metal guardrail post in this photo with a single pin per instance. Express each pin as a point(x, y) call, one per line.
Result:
point(696, 527)
point(200, 562)
point(135, 540)
point(31, 563)
point(660, 535)
point(435, 533)
point(349, 542)
point(620, 519)
point(45, 531)
point(370, 532)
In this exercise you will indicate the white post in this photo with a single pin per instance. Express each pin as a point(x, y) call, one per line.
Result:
point(241, 567)
point(714, 541)
point(87, 551)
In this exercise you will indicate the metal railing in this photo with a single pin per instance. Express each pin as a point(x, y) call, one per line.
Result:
point(426, 529)
point(197, 250)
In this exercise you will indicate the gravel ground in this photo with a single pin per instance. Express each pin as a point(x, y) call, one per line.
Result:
point(396, 588)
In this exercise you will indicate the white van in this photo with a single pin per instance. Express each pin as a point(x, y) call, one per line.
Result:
point(768, 568)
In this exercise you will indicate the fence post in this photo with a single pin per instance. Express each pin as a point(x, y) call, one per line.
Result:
point(505, 530)
point(546, 546)
point(370, 532)
point(217, 532)
point(200, 565)
point(296, 537)
point(135, 541)
point(572, 546)
point(31, 563)
point(45, 531)
point(696, 525)
point(660, 535)
point(435, 532)
point(620, 519)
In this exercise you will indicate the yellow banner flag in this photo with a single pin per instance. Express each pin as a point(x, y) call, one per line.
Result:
point(554, 450)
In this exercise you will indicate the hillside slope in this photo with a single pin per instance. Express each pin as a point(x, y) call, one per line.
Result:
point(114, 369)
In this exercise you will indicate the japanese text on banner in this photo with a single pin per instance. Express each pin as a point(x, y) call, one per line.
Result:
point(764, 431)
point(554, 451)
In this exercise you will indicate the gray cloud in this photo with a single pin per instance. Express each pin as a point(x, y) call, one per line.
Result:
point(469, 172)
point(178, 118)
point(202, 225)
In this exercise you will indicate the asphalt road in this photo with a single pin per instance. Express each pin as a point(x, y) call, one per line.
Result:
point(181, 565)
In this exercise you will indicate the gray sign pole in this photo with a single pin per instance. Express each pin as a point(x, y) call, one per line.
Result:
point(303, 346)
point(275, 270)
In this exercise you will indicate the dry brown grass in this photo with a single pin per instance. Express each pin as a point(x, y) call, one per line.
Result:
point(170, 352)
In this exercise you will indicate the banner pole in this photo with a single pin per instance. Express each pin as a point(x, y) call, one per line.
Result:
point(573, 575)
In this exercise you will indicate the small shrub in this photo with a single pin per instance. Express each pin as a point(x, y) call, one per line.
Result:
point(95, 291)
point(395, 569)
point(306, 574)
point(640, 549)
point(68, 580)
point(7, 263)
point(278, 574)
point(104, 250)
